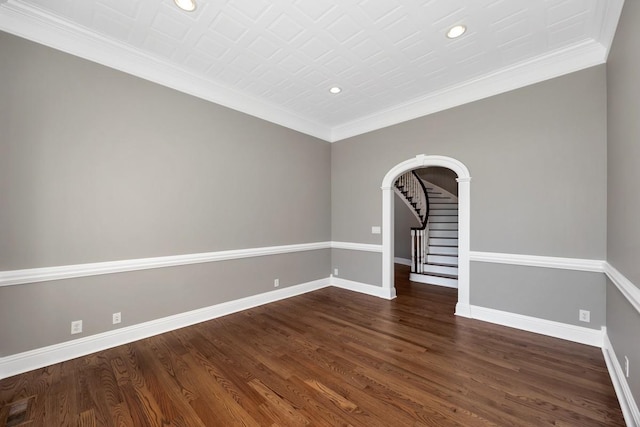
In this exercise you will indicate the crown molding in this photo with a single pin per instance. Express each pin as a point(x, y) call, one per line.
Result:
point(571, 59)
point(611, 11)
point(39, 26)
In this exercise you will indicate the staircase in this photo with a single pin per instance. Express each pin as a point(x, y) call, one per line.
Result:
point(434, 248)
point(440, 266)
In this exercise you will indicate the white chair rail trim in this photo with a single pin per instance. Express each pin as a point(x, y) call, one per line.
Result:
point(366, 247)
point(32, 275)
point(592, 265)
point(44, 274)
point(626, 287)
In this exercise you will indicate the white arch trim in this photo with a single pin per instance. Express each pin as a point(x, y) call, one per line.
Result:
point(464, 220)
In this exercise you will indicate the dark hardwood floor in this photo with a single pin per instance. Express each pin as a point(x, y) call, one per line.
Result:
point(330, 357)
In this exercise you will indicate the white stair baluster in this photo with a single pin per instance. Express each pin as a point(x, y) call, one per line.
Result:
point(414, 261)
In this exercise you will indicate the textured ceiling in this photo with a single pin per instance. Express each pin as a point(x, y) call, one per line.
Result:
point(277, 59)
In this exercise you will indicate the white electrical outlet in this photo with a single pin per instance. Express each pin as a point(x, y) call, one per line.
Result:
point(335, 271)
point(76, 327)
point(585, 316)
point(117, 318)
point(375, 230)
point(276, 283)
point(626, 366)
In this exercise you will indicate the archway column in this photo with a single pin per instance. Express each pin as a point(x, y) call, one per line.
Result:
point(388, 242)
point(464, 222)
point(464, 233)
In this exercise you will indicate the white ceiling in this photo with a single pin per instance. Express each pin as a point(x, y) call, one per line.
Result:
point(277, 59)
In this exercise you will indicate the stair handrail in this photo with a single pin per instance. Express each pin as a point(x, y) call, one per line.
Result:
point(413, 192)
point(410, 187)
point(425, 221)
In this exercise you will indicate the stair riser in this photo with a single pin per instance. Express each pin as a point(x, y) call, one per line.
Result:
point(443, 233)
point(443, 226)
point(440, 269)
point(443, 259)
point(435, 241)
point(438, 218)
point(443, 205)
point(443, 250)
point(435, 212)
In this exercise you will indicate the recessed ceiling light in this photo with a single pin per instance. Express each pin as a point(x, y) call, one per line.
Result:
point(335, 90)
point(456, 31)
point(188, 5)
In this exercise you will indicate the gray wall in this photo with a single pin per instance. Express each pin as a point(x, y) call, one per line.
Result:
point(623, 237)
point(403, 220)
point(97, 165)
point(537, 157)
point(623, 324)
point(442, 177)
point(39, 314)
point(359, 266)
point(545, 293)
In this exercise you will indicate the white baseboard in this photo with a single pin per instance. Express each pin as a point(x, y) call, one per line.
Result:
point(363, 288)
point(45, 356)
point(627, 402)
point(402, 261)
point(463, 310)
point(565, 331)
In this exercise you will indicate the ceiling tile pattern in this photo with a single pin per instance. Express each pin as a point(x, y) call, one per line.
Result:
point(383, 53)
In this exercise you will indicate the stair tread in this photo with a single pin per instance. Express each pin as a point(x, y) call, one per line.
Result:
point(441, 275)
point(435, 264)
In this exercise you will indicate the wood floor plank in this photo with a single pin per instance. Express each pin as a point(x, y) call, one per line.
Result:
point(329, 358)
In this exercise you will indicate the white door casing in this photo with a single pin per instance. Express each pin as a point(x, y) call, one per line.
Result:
point(464, 217)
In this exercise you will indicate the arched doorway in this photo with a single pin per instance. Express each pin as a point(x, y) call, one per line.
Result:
point(464, 199)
